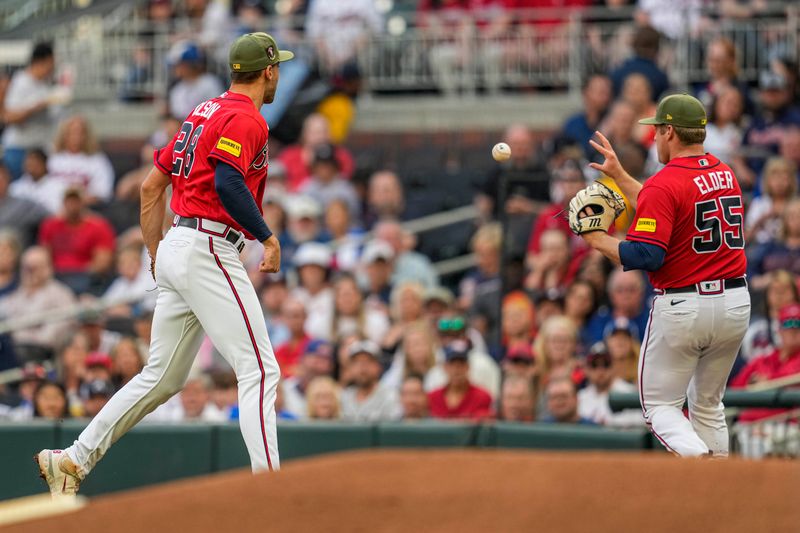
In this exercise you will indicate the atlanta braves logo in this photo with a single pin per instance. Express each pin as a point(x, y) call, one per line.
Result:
point(261, 159)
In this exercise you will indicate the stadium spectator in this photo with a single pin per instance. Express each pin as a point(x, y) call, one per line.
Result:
point(385, 198)
point(637, 92)
point(20, 215)
point(317, 360)
point(519, 361)
point(95, 393)
point(339, 105)
point(325, 184)
point(782, 253)
point(413, 399)
point(580, 303)
point(724, 129)
point(297, 158)
point(790, 145)
point(343, 235)
point(194, 85)
point(624, 351)
point(289, 353)
point(519, 324)
point(351, 316)
point(322, 398)
point(128, 360)
point(38, 295)
point(579, 128)
point(646, 43)
point(93, 325)
point(10, 250)
point(626, 290)
point(593, 399)
point(562, 403)
point(517, 400)
point(762, 336)
point(377, 262)
point(483, 369)
point(438, 302)
point(764, 214)
point(619, 126)
point(405, 308)
point(132, 288)
point(417, 356)
point(195, 401)
point(33, 375)
point(479, 289)
point(30, 108)
point(367, 399)
point(72, 367)
point(723, 74)
point(459, 398)
point(313, 262)
point(555, 349)
point(339, 30)
point(225, 392)
point(762, 138)
point(77, 161)
point(50, 401)
point(302, 225)
point(97, 365)
point(408, 264)
point(553, 267)
point(37, 185)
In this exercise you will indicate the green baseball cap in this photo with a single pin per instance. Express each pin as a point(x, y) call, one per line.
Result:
point(256, 51)
point(681, 110)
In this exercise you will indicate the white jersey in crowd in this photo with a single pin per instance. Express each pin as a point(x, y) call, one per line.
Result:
point(382, 404)
point(46, 191)
point(340, 25)
point(319, 311)
point(24, 92)
point(186, 95)
point(593, 405)
point(93, 172)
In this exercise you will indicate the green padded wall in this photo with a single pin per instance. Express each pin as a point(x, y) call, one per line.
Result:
point(426, 434)
point(18, 445)
point(563, 437)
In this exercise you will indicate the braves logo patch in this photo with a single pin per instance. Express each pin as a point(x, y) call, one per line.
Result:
point(271, 52)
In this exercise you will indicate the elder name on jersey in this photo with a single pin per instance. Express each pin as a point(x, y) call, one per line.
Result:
point(714, 181)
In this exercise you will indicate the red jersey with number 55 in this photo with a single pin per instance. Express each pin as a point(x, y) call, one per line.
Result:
point(693, 209)
point(228, 128)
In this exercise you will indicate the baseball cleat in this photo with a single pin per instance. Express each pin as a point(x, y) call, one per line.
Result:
point(57, 469)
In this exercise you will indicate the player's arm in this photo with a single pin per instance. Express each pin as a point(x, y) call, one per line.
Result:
point(154, 205)
point(238, 201)
point(632, 255)
point(612, 168)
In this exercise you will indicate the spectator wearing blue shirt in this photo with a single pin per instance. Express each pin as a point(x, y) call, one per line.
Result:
point(579, 128)
point(562, 403)
point(646, 42)
point(626, 291)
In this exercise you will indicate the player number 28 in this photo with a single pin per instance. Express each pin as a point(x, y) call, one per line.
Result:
point(184, 149)
point(708, 216)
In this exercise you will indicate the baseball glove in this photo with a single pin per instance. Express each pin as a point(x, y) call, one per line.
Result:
point(606, 205)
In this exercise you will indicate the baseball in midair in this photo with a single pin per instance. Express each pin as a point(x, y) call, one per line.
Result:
point(501, 152)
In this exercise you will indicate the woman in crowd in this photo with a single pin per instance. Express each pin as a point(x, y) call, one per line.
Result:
point(519, 324)
point(344, 237)
point(724, 129)
point(50, 401)
point(351, 317)
point(624, 351)
point(762, 337)
point(778, 253)
point(128, 361)
point(555, 349)
point(322, 399)
point(417, 356)
point(77, 160)
point(406, 307)
point(580, 303)
point(764, 213)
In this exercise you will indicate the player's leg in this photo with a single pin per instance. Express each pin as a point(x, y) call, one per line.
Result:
point(227, 305)
point(731, 317)
point(666, 364)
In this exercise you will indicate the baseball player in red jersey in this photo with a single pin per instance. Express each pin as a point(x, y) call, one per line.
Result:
point(688, 234)
point(217, 165)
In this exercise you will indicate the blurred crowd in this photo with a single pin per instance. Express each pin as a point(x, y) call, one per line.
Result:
point(363, 325)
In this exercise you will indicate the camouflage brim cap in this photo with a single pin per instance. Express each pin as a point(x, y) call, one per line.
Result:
point(681, 110)
point(256, 51)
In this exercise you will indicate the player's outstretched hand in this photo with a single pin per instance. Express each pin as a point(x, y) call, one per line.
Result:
point(272, 256)
point(611, 167)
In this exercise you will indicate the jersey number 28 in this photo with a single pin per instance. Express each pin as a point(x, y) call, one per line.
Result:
point(708, 217)
point(184, 149)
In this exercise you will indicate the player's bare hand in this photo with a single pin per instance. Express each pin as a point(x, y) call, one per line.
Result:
point(611, 167)
point(272, 256)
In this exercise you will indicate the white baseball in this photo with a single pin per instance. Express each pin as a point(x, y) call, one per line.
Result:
point(501, 152)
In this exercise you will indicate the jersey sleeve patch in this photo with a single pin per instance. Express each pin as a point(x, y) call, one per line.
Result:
point(646, 224)
point(230, 146)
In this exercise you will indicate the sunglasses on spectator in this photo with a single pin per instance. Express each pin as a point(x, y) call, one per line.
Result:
point(600, 363)
point(451, 325)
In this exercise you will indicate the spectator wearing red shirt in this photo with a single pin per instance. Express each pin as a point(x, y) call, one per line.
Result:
point(293, 314)
point(459, 399)
point(81, 244)
point(298, 158)
point(782, 362)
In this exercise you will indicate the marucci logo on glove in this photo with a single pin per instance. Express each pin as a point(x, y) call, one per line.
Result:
point(227, 145)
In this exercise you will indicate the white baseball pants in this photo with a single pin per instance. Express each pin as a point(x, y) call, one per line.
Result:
point(690, 346)
point(203, 286)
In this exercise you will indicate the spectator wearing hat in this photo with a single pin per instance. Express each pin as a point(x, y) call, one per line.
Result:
point(322, 398)
point(367, 400)
point(95, 394)
point(408, 264)
point(562, 403)
point(593, 399)
point(351, 316)
point(483, 369)
point(438, 302)
point(413, 398)
point(20, 215)
point(194, 85)
point(416, 356)
point(377, 263)
point(327, 184)
point(288, 353)
point(313, 262)
point(37, 185)
point(459, 398)
point(517, 400)
point(519, 361)
point(626, 291)
point(317, 360)
point(33, 375)
point(81, 244)
point(303, 222)
point(38, 295)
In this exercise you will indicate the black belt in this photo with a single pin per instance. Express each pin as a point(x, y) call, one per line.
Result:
point(232, 236)
point(733, 283)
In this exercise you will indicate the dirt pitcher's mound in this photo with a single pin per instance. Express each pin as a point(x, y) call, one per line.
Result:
point(426, 490)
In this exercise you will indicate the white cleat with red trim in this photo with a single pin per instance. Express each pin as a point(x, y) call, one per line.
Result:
point(61, 474)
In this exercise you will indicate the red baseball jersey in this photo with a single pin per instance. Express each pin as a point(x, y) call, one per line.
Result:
point(693, 209)
point(228, 128)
